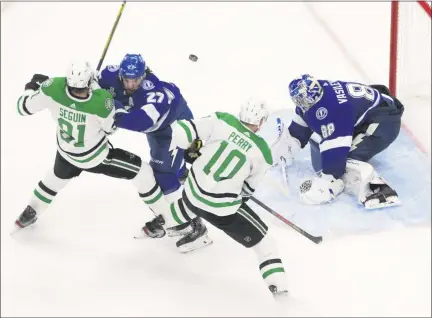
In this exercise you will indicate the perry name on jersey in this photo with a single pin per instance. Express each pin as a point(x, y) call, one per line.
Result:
point(343, 106)
point(233, 160)
point(82, 123)
point(153, 106)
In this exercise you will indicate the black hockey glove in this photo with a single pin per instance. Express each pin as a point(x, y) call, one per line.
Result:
point(382, 89)
point(192, 153)
point(36, 81)
point(245, 196)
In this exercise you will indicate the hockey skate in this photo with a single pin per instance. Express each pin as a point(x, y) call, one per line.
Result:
point(28, 217)
point(382, 197)
point(278, 293)
point(196, 239)
point(152, 229)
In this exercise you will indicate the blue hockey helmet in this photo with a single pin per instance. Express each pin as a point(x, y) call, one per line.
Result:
point(305, 91)
point(132, 66)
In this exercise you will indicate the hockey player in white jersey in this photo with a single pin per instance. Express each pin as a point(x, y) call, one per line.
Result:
point(228, 162)
point(85, 117)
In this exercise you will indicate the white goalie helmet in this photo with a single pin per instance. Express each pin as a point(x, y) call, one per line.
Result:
point(79, 74)
point(253, 111)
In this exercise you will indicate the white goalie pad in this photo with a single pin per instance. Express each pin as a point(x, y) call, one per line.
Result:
point(358, 178)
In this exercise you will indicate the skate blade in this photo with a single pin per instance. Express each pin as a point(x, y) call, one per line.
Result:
point(197, 244)
point(142, 235)
point(281, 296)
point(15, 228)
point(375, 205)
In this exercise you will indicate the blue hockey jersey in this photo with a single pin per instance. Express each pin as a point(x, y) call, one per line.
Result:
point(343, 106)
point(153, 106)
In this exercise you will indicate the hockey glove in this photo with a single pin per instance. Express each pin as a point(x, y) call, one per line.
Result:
point(192, 153)
point(320, 190)
point(36, 81)
point(286, 147)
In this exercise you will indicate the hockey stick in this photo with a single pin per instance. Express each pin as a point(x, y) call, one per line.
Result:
point(315, 239)
point(282, 160)
point(110, 36)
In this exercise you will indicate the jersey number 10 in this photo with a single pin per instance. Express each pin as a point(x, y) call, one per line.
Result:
point(241, 160)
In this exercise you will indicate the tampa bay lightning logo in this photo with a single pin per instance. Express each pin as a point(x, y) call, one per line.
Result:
point(321, 113)
point(147, 85)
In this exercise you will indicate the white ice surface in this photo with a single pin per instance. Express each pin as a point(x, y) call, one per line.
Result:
point(80, 258)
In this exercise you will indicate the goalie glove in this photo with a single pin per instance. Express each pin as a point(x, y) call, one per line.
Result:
point(286, 147)
point(192, 153)
point(36, 81)
point(319, 190)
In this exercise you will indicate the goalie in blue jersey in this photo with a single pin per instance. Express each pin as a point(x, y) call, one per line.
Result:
point(346, 124)
point(148, 105)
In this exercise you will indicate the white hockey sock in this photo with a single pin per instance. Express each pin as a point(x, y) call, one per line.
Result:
point(152, 194)
point(46, 190)
point(270, 263)
point(180, 212)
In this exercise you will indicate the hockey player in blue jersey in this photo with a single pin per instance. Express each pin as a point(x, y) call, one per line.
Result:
point(148, 105)
point(346, 124)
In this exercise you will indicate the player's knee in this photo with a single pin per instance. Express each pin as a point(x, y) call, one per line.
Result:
point(52, 183)
point(168, 182)
point(63, 169)
point(266, 247)
point(245, 227)
point(144, 181)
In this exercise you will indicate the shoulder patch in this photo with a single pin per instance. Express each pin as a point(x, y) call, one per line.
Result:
point(113, 68)
point(48, 82)
point(147, 85)
point(109, 103)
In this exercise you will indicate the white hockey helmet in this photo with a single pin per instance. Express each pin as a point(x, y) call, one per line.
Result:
point(253, 111)
point(79, 74)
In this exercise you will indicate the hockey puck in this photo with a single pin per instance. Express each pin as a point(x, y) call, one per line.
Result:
point(193, 58)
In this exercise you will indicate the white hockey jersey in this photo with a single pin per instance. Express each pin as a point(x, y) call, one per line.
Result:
point(82, 123)
point(233, 160)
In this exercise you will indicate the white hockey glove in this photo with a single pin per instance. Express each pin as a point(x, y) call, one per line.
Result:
point(320, 190)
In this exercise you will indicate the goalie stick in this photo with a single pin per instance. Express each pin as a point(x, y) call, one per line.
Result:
point(315, 239)
point(282, 160)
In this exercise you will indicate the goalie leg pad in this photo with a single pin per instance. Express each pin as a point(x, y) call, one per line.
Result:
point(371, 189)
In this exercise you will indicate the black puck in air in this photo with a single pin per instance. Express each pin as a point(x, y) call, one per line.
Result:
point(193, 58)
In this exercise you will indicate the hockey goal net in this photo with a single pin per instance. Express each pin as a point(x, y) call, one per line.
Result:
point(410, 49)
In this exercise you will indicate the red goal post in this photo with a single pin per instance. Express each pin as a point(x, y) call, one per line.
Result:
point(410, 48)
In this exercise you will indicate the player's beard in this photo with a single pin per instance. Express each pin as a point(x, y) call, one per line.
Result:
point(130, 92)
point(131, 88)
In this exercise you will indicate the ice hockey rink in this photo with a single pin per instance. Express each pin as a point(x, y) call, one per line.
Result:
point(80, 258)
